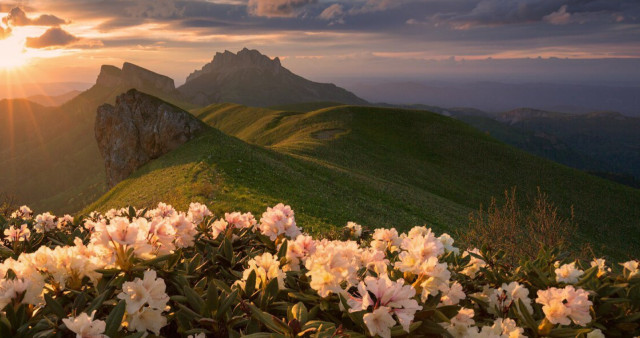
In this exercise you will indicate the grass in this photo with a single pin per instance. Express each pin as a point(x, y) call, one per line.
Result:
point(425, 153)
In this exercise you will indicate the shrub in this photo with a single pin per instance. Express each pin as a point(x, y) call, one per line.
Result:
point(521, 233)
point(161, 272)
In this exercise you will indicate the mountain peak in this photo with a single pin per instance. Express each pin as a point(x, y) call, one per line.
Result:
point(228, 62)
point(133, 76)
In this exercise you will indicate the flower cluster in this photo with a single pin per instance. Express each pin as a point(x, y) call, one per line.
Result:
point(146, 300)
point(195, 274)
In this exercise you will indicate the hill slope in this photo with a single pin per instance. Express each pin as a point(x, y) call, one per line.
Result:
point(49, 158)
point(253, 79)
point(379, 167)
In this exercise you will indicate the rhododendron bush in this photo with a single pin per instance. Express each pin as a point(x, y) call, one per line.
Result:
point(164, 272)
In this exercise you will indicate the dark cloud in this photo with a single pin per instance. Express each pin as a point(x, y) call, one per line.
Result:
point(18, 17)
point(53, 37)
point(506, 12)
point(277, 8)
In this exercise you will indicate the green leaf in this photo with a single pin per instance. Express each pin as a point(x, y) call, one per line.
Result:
point(282, 252)
point(194, 299)
point(250, 285)
point(226, 303)
point(54, 307)
point(525, 316)
point(114, 320)
point(588, 276)
point(268, 320)
point(399, 330)
point(299, 312)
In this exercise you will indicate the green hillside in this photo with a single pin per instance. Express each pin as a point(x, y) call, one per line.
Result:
point(379, 167)
point(49, 158)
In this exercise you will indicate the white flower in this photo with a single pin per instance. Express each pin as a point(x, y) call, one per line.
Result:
point(379, 322)
point(354, 229)
point(503, 298)
point(240, 221)
point(163, 210)
point(161, 236)
point(568, 273)
point(278, 221)
point(185, 230)
point(460, 323)
point(149, 290)
point(386, 239)
point(375, 261)
point(632, 267)
point(451, 295)
point(197, 212)
point(596, 333)
point(447, 243)
point(45, 222)
point(17, 234)
point(434, 277)
point(602, 266)
point(10, 290)
point(501, 328)
point(298, 251)
point(197, 335)
point(23, 213)
point(147, 319)
point(65, 221)
point(333, 263)
point(266, 267)
point(84, 326)
point(475, 264)
point(395, 297)
point(418, 249)
point(561, 306)
point(218, 227)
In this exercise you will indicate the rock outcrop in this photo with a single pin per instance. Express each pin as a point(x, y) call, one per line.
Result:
point(133, 76)
point(254, 79)
point(138, 129)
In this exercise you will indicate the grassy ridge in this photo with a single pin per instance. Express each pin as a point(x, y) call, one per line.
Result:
point(435, 154)
point(229, 174)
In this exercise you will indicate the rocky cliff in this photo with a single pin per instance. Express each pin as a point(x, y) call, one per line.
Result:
point(254, 79)
point(135, 77)
point(138, 129)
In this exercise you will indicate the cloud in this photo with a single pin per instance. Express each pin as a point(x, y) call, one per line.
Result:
point(17, 17)
point(53, 37)
point(156, 9)
point(377, 6)
point(559, 17)
point(490, 13)
point(333, 12)
point(277, 8)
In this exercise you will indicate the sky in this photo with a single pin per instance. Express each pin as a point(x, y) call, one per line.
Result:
point(502, 40)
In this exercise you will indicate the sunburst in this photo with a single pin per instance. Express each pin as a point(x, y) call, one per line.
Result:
point(13, 53)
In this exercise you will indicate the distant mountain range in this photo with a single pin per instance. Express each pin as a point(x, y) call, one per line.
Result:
point(499, 97)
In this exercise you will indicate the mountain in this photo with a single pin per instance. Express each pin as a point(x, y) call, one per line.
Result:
point(374, 166)
point(49, 158)
point(53, 100)
point(253, 79)
point(611, 139)
point(500, 97)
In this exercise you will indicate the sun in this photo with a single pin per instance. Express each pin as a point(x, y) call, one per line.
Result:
point(13, 53)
